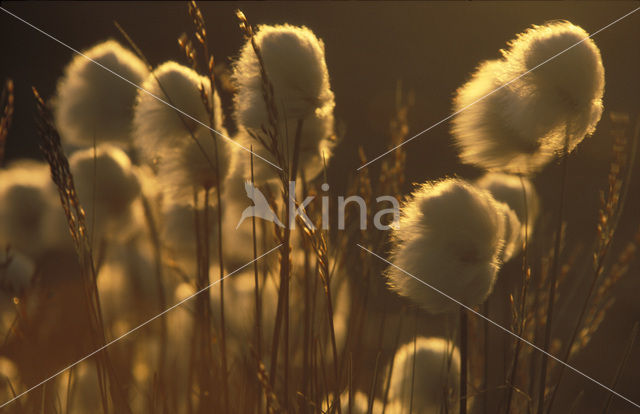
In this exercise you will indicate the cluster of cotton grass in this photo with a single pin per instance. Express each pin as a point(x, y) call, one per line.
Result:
point(539, 100)
point(451, 234)
point(162, 185)
point(292, 58)
point(511, 118)
point(181, 143)
point(147, 165)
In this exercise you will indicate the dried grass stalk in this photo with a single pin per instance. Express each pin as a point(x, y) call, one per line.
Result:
point(7, 102)
point(61, 175)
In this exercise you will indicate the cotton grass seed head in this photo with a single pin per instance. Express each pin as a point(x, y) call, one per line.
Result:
point(27, 200)
point(190, 154)
point(492, 129)
point(157, 125)
point(508, 190)
point(450, 236)
point(437, 369)
point(92, 103)
point(517, 112)
point(294, 63)
point(567, 89)
point(107, 186)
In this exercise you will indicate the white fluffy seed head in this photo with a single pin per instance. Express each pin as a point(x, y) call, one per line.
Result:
point(492, 129)
point(508, 189)
point(295, 66)
point(92, 103)
point(437, 369)
point(450, 236)
point(27, 199)
point(518, 111)
point(570, 85)
point(183, 148)
point(157, 125)
point(107, 187)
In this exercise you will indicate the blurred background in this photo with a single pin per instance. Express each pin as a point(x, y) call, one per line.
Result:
point(371, 47)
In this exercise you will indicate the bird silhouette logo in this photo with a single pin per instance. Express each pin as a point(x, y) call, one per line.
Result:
point(260, 207)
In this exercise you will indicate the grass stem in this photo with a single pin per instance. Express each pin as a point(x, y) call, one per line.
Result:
point(464, 357)
point(554, 277)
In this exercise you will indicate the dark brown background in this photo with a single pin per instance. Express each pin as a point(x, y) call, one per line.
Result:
point(431, 48)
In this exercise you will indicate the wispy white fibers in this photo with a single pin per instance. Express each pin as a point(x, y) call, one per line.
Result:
point(295, 66)
point(92, 103)
point(521, 126)
point(567, 90)
point(107, 187)
point(496, 133)
point(450, 235)
point(437, 368)
point(184, 150)
point(508, 189)
point(155, 124)
point(191, 165)
point(29, 203)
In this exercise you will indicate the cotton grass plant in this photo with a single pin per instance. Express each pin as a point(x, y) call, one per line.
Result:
point(153, 183)
point(157, 126)
point(451, 234)
point(108, 188)
point(29, 222)
point(91, 104)
point(521, 207)
point(519, 112)
point(292, 61)
point(425, 376)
